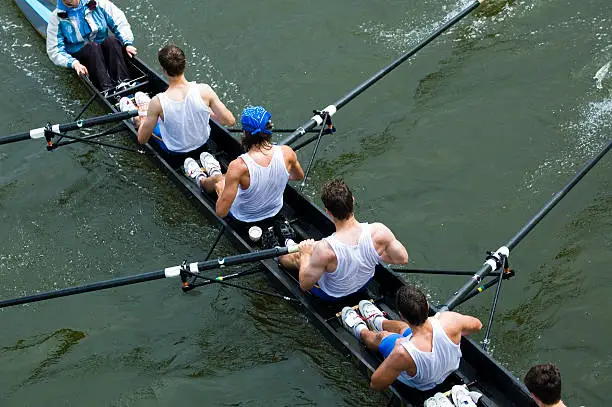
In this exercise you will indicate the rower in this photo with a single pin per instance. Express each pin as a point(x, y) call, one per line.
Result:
point(544, 383)
point(343, 263)
point(177, 119)
point(419, 351)
point(252, 190)
point(78, 38)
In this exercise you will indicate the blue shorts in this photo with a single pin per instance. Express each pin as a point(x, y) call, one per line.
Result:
point(319, 293)
point(388, 343)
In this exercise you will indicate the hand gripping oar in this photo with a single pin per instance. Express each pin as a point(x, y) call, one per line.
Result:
point(61, 128)
point(317, 119)
point(174, 271)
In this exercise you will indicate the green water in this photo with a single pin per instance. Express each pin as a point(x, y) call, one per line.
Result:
point(455, 151)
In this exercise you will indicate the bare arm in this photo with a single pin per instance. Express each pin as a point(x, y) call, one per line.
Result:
point(469, 325)
point(398, 361)
point(314, 257)
point(145, 131)
point(295, 169)
point(393, 251)
point(220, 113)
point(232, 183)
point(457, 325)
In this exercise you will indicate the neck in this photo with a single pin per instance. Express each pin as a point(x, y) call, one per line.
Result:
point(417, 330)
point(266, 145)
point(177, 80)
point(346, 223)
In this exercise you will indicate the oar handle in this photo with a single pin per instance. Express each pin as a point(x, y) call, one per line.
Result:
point(61, 128)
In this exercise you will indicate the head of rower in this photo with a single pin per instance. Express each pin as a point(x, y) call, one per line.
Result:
point(256, 128)
point(338, 201)
point(173, 62)
point(544, 383)
point(413, 306)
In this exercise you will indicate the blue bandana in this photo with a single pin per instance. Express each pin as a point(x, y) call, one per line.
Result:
point(254, 120)
point(71, 11)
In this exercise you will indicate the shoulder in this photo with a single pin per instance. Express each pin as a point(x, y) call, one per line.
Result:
point(323, 251)
point(380, 232)
point(54, 18)
point(205, 89)
point(104, 4)
point(288, 152)
point(452, 322)
point(236, 168)
point(399, 356)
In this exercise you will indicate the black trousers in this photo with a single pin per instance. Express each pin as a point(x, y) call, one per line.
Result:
point(105, 62)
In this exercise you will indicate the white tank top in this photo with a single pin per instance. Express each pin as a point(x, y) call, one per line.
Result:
point(264, 196)
point(185, 126)
point(432, 368)
point(356, 264)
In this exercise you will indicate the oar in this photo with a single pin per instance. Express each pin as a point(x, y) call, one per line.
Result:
point(61, 128)
point(168, 272)
point(496, 260)
point(317, 119)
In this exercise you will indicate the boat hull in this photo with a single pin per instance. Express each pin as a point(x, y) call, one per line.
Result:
point(477, 367)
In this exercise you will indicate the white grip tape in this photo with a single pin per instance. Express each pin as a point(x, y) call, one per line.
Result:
point(37, 133)
point(193, 267)
point(317, 119)
point(504, 251)
point(492, 263)
point(55, 128)
point(172, 271)
point(294, 249)
point(331, 110)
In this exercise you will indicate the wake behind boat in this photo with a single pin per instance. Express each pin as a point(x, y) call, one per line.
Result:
point(477, 369)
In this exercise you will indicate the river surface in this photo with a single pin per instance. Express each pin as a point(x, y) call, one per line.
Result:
point(455, 151)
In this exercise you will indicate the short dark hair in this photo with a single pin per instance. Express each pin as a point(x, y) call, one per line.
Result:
point(249, 140)
point(544, 381)
point(412, 305)
point(338, 199)
point(172, 59)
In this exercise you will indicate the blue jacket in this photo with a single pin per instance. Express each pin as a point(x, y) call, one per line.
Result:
point(69, 29)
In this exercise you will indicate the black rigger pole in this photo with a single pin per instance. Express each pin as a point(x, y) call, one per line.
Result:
point(168, 272)
point(495, 260)
point(318, 119)
point(76, 125)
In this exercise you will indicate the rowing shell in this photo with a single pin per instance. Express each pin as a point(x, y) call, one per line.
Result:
point(477, 368)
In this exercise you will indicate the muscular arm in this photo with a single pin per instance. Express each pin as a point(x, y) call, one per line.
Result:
point(295, 169)
point(398, 361)
point(313, 263)
point(220, 113)
point(145, 131)
point(232, 182)
point(393, 251)
point(469, 325)
point(457, 325)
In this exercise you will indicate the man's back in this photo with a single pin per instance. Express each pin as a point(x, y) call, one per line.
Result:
point(388, 248)
point(184, 117)
point(432, 351)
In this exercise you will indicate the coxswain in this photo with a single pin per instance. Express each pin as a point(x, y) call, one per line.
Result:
point(343, 263)
point(78, 38)
point(419, 351)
